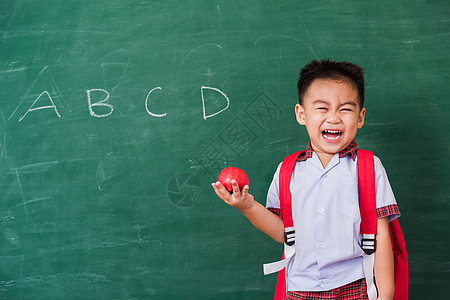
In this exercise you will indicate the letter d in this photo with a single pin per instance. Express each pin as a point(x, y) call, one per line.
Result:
point(203, 101)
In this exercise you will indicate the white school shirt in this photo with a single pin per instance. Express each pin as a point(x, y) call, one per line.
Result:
point(326, 216)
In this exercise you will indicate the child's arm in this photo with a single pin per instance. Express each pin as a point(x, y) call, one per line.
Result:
point(384, 261)
point(258, 215)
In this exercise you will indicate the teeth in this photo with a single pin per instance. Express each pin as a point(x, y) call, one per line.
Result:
point(332, 138)
point(332, 131)
point(338, 132)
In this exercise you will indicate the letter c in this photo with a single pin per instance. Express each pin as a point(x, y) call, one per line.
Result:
point(146, 105)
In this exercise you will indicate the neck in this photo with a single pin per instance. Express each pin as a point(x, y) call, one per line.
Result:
point(325, 158)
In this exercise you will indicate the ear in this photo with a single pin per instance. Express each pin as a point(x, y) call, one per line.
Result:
point(361, 117)
point(300, 114)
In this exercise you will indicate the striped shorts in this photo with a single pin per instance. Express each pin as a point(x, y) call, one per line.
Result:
point(353, 291)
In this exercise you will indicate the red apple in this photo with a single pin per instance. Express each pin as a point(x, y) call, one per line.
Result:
point(230, 173)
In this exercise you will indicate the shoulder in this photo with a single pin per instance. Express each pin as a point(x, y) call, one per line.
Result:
point(276, 175)
point(379, 168)
point(380, 172)
point(377, 162)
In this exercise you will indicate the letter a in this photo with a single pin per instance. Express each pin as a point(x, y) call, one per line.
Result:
point(99, 103)
point(41, 107)
point(203, 101)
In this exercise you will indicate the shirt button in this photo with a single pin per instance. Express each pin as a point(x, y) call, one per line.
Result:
point(324, 281)
point(321, 210)
point(321, 246)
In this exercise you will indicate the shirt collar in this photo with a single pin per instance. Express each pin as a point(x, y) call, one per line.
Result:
point(350, 150)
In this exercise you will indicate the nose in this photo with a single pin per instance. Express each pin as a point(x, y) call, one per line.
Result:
point(333, 117)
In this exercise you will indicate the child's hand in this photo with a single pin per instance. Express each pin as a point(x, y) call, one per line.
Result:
point(241, 200)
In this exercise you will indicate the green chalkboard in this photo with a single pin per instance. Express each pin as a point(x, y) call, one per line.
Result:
point(115, 117)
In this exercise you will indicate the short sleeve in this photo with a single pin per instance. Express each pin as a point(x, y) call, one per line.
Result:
point(273, 195)
point(386, 203)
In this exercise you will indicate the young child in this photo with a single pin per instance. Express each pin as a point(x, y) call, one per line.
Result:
point(328, 260)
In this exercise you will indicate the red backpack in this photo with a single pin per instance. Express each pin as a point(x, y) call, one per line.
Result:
point(366, 183)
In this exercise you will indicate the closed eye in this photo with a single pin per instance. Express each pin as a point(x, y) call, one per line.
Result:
point(348, 106)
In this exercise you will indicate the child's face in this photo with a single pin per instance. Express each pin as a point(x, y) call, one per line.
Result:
point(331, 113)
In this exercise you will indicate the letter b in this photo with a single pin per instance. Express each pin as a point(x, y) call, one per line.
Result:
point(99, 103)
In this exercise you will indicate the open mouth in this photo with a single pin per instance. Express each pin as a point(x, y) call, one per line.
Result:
point(331, 135)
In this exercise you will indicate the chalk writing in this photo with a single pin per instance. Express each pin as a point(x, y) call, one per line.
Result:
point(44, 76)
point(146, 104)
point(32, 108)
point(203, 101)
point(110, 108)
point(101, 103)
point(98, 98)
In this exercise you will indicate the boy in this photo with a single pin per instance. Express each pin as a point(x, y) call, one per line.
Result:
point(328, 261)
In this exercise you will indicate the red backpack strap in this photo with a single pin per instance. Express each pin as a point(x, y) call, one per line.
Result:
point(367, 200)
point(286, 170)
point(401, 269)
point(367, 204)
point(280, 290)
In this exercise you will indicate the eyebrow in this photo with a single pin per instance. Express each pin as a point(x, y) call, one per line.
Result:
point(321, 102)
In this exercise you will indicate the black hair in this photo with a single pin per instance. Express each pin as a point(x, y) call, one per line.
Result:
point(327, 69)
